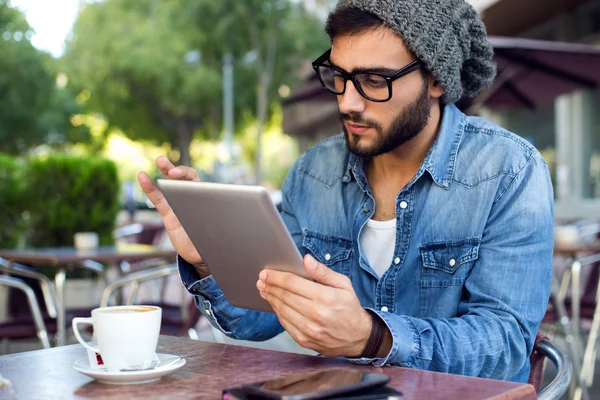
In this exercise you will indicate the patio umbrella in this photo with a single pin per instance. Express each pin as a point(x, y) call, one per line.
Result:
point(532, 73)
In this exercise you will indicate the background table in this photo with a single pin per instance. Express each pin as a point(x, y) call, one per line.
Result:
point(582, 352)
point(48, 374)
point(65, 257)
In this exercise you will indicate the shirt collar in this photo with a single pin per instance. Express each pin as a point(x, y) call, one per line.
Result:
point(440, 159)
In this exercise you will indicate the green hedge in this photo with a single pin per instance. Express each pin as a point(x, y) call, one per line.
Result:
point(11, 200)
point(68, 195)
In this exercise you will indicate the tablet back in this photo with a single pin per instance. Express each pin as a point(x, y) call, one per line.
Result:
point(238, 232)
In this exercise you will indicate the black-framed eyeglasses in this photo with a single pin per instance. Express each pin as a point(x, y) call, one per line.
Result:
point(373, 86)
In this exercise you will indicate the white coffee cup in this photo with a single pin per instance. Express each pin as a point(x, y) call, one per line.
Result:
point(85, 241)
point(127, 335)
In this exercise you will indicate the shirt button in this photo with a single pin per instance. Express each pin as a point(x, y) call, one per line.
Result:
point(403, 205)
point(366, 211)
point(327, 257)
point(452, 262)
point(397, 260)
point(384, 309)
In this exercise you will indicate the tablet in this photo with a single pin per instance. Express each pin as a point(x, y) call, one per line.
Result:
point(238, 232)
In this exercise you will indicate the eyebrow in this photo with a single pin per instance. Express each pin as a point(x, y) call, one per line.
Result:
point(374, 69)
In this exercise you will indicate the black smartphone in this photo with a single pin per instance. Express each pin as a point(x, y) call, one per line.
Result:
point(316, 385)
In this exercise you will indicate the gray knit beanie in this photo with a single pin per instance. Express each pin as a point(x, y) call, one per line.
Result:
point(447, 35)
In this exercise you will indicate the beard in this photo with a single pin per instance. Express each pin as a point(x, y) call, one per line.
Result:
point(407, 124)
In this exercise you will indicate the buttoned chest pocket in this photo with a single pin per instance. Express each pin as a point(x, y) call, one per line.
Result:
point(332, 251)
point(445, 267)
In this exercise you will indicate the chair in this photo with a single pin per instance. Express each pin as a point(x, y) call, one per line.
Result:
point(177, 320)
point(18, 330)
point(46, 285)
point(149, 233)
point(542, 349)
point(23, 321)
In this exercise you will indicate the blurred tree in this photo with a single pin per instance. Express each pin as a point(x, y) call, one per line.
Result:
point(141, 63)
point(281, 35)
point(25, 84)
point(33, 110)
point(154, 68)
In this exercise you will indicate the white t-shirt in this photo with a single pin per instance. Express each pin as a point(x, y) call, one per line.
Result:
point(378, 240)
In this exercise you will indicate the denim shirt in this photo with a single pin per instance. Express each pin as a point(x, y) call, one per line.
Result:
point(470, 278)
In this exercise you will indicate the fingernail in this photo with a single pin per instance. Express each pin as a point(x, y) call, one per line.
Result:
point(263, 275)
point(311, 261)
point(260, 285)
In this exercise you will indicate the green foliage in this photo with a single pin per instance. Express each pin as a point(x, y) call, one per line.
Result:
point(32, 109)
point(25, 84)
point(68, 195)
point(131, 56)
point(11, 201)
point(134, 57)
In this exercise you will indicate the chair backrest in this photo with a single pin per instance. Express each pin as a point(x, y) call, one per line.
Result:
point(42, 286)
point(38, 321)
point(141, 233)
point(544, 348)
point(536, 360)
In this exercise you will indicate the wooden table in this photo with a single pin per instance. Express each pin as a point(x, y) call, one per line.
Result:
point(48, 374)
point(69, 257)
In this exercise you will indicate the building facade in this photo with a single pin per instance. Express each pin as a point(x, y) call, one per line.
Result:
point(567, 132)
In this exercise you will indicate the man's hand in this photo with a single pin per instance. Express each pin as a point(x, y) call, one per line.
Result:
point(181, 241)
point(325, 317)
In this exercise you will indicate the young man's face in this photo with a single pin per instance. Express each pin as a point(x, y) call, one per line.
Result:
point(373, 128)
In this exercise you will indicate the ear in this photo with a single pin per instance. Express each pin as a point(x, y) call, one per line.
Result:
point(435, 90)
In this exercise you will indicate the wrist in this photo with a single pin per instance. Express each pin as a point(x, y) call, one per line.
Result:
point(202, 270)
point(365, 333)
point(386, 345)
point(377, 337)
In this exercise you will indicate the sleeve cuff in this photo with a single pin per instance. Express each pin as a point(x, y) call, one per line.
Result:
point(405, 342)
point(207, 293)
point(206, 287)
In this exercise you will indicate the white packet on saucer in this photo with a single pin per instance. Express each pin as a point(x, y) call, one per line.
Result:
point(94, 358)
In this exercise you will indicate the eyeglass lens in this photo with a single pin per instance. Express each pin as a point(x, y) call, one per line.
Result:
point(371, 85)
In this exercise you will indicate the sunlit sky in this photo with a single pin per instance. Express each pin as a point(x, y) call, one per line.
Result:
point(52, 20)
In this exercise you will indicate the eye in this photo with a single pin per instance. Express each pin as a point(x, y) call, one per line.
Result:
point(373, 81)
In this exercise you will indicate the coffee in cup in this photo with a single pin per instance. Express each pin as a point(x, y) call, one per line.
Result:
point(126, 336)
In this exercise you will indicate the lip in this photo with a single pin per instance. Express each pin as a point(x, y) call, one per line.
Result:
point(357, 129)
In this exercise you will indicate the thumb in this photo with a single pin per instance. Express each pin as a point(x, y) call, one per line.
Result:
point(322, 274)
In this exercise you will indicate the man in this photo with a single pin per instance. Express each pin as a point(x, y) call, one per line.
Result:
point(428, 233)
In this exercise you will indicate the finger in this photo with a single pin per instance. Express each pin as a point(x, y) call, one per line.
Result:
point(164, 165)
point(298, 336)
point(322, 274)
point(300, 304)
point(292, 283)
point(181, 172)
point(291, 322)
point(154, 195)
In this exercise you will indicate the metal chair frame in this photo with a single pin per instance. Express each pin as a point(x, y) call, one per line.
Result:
point(40, 327)
point(561, 382)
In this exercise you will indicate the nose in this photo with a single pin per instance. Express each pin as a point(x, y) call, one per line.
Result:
point(351, 101)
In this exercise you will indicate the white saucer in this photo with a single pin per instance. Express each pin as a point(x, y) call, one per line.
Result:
point(130, 377)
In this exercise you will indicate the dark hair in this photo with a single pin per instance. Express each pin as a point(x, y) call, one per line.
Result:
point(350, 21)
